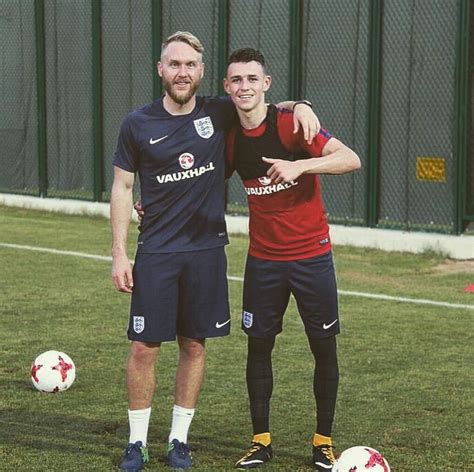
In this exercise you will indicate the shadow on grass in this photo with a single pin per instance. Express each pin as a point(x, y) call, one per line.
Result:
point(75, 434)
point(36, 432)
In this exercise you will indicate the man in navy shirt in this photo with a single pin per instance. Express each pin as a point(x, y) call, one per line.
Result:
point(178, 283)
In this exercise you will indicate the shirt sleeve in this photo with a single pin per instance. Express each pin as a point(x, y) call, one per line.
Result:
point(296, 142)
point(126, 154)
point(227, 112)
point(229, 153)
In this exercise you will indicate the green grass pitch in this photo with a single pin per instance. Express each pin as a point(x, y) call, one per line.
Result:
point(406, 384)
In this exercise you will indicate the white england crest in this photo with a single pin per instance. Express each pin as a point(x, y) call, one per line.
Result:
point(138, 324)
point(204, 127)
point(247, 319)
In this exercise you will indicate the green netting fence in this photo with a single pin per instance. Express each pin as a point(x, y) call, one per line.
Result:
point(392, 79)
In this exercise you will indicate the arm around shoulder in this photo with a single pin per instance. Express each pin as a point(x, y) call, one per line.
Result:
point(304, 117)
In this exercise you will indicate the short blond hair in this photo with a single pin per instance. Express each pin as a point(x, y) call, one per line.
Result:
point(183, 37)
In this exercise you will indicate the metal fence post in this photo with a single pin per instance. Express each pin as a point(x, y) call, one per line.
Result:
point(223, 43)
point(462, 114)
point(41, 98)
point(294, 83)
point(156, 32)
point(373, 123)
point(222, 53)
point(97, 122)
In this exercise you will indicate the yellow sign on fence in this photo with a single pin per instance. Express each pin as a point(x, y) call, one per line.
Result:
point(431, 168)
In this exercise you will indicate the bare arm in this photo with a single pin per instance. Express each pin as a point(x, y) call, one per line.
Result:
point(303, 116)
point(337, 158)
point(120, 210)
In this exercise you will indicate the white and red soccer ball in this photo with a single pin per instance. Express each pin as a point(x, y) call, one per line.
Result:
point(53, 371)
point(361, 458)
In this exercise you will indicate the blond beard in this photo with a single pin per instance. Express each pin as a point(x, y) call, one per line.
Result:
point(181, 99)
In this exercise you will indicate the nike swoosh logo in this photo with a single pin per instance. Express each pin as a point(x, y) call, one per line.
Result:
point(220, 325)
point(255, 461)
point(327, 326)
point(320, 464)
point(154, 141)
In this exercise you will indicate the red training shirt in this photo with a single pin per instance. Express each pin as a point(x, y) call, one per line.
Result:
point(286, 221)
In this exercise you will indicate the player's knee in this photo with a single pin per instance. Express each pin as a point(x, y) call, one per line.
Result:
point(323, 349)
point(192, 348)
point(325, 355)
point(144, 353)
point(260, 348)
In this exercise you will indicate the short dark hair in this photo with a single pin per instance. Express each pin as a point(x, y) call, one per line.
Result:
point(246, 55)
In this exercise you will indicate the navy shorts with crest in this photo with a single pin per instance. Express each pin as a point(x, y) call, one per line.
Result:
point(181, 293)
point(267, 288)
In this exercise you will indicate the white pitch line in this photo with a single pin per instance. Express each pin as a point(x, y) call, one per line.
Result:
point(57, 251)
point(418, 301)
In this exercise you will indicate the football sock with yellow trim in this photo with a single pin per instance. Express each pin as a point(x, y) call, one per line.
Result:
point(259, 376)
point(262, 438)
point(319, 440)
point(325, 382)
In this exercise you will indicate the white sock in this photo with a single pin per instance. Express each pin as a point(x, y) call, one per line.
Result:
point(138, 421)
point(182, 418)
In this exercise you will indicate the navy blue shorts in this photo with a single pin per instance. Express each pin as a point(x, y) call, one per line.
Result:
point(267, 289)
point(182, 293)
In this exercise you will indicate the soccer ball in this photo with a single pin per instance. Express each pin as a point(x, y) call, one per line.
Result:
point(361, 458)
point(53, 371)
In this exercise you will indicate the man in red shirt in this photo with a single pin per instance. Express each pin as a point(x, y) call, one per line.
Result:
point(290, 247)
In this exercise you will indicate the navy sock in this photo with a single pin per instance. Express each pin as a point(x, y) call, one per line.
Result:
point(325, 382)
point(260, 381)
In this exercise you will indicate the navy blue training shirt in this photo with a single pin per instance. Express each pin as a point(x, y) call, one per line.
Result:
point(180, 163)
